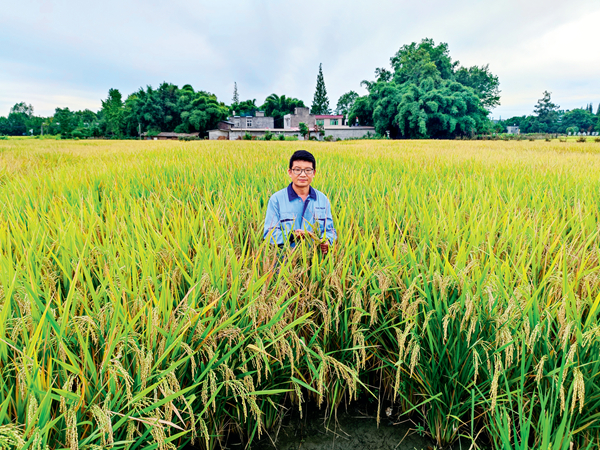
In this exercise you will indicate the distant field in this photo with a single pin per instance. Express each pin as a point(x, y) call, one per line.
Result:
point(138, 308)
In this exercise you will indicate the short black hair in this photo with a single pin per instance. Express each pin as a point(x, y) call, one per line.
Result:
point(303, 155)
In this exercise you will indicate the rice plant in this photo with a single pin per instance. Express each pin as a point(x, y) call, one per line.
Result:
point(140, 307)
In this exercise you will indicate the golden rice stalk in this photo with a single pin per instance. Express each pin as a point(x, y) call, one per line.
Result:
point(71, 436)
point(562, 393)
point(103, 421)
point(494, 386)
point(578, 390)
point(476, 361)
point(299, 396)
point(414, 359)
point(11, 437)
point(32, 411)
point(539, 369)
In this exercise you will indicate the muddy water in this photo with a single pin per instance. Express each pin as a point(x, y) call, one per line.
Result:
point(355, 429)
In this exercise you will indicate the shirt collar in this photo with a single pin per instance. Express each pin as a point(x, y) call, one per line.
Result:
point(292, 194)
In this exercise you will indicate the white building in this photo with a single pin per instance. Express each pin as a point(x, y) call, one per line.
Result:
point(320, 126)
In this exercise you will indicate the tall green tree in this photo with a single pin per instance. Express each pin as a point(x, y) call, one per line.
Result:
point(22, 108)
point(236, 96)
point(65, 121)
point(86, 118)
point(416, 61)
point(112, 113)
point(18, 122)
point(278, 106)
point(244, 108)
point(427, 95)
point(485, 84)
point(200, 112)
point(320, 104)
point(362, 111)
point(547, 113)
point(5, 128)
point(346, 102)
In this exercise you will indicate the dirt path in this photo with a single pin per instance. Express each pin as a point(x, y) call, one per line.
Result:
point(356, 429)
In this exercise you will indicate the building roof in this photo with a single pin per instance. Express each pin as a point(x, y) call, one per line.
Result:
point(329, 116)
point(276, 130)
point(248, 114)
point(171, 134)
point(346, 127)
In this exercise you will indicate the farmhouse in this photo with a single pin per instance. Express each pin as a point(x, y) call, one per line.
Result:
point(301, 115)
point(257, 125)
point(513, 130)
point(256, 121)
point(329, 121)
point(330, 125)
point(226, 131)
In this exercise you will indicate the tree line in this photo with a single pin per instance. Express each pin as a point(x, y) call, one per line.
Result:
point(423, 94)
point(549, 118)
point(149, 110)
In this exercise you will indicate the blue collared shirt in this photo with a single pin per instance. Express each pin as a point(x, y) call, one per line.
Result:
point(287, 212)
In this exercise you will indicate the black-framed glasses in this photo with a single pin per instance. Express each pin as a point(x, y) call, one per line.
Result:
point(298, 171)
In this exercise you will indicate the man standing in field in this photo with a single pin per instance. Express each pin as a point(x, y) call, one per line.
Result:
point(299, 211)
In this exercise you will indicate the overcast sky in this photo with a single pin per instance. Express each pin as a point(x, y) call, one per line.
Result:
point(69, 53)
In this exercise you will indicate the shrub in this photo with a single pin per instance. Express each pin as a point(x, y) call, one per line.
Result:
point(303, 129)
point(247, 136)
point(281, 137)
point(581, 139)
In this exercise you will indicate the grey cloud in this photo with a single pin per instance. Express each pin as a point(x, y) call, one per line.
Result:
point(269, 46)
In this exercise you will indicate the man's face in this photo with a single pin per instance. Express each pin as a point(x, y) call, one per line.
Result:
point(305, 174)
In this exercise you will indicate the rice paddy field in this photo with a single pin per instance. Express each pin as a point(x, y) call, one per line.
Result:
point(140, 308)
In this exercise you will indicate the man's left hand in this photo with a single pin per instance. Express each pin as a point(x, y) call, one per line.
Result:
point(324, 247)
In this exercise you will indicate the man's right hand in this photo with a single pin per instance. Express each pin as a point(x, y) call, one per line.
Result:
point(299, 234)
